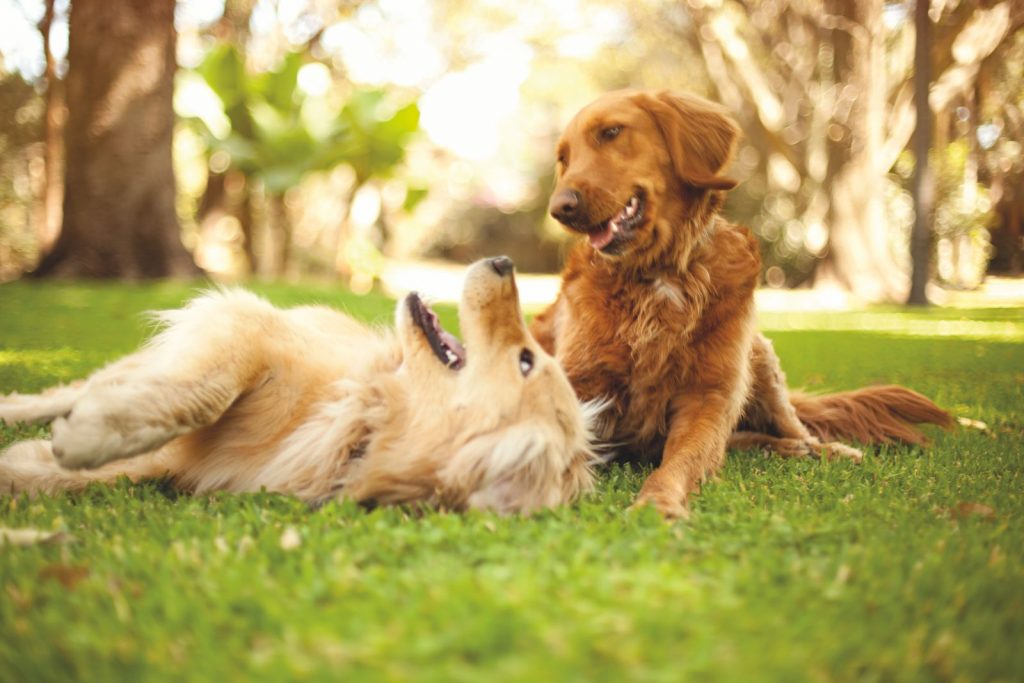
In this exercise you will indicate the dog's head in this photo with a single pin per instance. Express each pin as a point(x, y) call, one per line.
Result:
point(491, 423)
point(628, 160)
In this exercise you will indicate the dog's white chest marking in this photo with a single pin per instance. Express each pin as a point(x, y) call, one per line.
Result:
point(669, 291)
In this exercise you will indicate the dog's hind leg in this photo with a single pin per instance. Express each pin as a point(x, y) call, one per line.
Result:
point(770, 409)
point(42, 407)
point(138, 415)
point(184, 379)
point(57, 401)
point(30, 467)
point(793, 448)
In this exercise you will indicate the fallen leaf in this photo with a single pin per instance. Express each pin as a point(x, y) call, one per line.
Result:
point(965, 509)
point(290, 539)
point(245, 545)
point(972, 424)
point(20, 600)
point(67, 574)
point(23, 537)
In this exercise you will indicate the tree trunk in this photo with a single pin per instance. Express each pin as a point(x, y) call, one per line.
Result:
point(859, 257)
point(48, 225)
point(1016, 239)
point(276, 250)
point(923, 183)
point(119, 213)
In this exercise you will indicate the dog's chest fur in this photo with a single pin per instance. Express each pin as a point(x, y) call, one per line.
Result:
point(637, 342)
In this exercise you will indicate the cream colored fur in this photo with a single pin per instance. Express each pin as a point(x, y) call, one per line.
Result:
point(235, 394)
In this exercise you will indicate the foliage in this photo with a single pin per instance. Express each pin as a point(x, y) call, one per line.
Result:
point(906, 568)
point(963, 211)
point(955, 214)
point(278, 134)
point(774, 64)
point(20, 142)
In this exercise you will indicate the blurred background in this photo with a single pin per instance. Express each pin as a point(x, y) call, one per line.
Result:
point(287, 139)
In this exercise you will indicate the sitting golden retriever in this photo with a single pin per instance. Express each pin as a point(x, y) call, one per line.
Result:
point(656, 309)
point(237, 395)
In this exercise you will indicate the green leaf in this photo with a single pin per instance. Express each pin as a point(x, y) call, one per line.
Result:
point(223, 69)
point(280, 178)
point(280, 136)
point(413, 196)
point(279, 87)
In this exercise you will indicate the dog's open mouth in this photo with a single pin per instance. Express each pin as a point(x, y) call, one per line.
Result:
point(446, 346)
point(620, 226)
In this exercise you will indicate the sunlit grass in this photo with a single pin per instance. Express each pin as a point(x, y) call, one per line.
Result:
point(909, 567)
point(995, 324)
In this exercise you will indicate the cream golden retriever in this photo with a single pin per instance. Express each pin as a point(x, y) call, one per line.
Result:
point(234, 394)
point(656, 309)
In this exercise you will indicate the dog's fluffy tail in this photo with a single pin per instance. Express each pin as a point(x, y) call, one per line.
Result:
point(872, 415)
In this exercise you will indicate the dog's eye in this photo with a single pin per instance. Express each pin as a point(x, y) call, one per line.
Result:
point(611, 132)
point(526, 362)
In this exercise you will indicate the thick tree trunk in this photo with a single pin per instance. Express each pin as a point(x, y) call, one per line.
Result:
point(119, 213)
point(859, 258)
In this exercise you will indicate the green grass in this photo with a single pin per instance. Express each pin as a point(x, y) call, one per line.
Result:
point(787, 570)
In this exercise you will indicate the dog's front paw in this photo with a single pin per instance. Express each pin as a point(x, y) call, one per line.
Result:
point(668, 500)
point(83, 441)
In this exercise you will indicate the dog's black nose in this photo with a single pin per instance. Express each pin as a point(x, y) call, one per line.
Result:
point(502, 265)
point(565, 205)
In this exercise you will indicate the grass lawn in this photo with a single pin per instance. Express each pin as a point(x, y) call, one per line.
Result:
point(909, 567)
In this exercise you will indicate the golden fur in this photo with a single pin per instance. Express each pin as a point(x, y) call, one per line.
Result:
point(656, 309)
point(237, 395)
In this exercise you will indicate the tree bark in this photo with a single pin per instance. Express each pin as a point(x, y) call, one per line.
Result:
point(119, 201)
point(923, 189)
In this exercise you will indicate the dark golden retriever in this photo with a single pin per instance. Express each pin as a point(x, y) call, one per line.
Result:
point(656, 309)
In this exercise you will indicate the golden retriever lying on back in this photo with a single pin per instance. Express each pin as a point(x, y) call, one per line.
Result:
point(656, 311)
point(237, 395)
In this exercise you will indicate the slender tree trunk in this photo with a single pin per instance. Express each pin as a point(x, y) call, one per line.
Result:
point(119, 213)
point(275, 250)
point(1016, 238)
point(923, 183)
point(48, 225)
point(245, 218)
point(233, 28)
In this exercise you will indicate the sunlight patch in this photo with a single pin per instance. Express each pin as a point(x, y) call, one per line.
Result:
point(41, 360)
point(895, 324)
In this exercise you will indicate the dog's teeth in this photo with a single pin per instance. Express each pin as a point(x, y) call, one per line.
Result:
point(452, 358)
point(615, 227)
point(630, 210)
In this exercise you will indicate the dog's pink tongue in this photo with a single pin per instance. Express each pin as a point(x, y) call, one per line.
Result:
point(600, 240)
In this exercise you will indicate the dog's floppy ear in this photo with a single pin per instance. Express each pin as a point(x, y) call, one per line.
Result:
point(700, 136)
point(522, 468)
